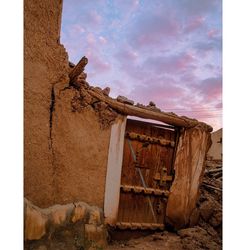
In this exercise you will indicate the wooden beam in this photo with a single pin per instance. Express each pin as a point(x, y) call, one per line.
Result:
point(78, 69)
point(126, 109)
point(211, 187)
point(215, 170)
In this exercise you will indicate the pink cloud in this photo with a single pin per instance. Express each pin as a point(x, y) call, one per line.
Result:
point(213, 33)
point(194, 24)
point(170, 64)
point(126, 55)
point(165, 90)
point(102, 40)
point(90, 38)
point(98, 64)
point(154, 29)
point(211, 89)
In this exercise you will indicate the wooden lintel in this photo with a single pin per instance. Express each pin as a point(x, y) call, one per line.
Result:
point(126, 109)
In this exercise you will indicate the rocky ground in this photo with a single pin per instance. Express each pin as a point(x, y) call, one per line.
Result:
point(207, 234)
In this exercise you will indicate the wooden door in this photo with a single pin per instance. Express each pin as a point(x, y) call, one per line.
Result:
point(146, 176)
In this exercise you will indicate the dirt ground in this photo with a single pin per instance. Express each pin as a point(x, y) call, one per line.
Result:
point(191, 238)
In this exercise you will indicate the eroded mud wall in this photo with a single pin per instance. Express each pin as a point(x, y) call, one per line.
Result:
point(80, 149)
point(45, 65)
point(189, 168)
point(215, 152)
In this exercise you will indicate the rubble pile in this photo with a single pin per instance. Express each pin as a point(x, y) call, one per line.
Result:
point(210, 202)
point(82, 99)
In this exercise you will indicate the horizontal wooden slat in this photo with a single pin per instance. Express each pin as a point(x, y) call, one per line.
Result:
point(157, 177)
point(143, 226)
point(150, 139)
point(142, 190)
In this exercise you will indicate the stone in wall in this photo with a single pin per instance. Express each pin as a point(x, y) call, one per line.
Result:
point(70, 226)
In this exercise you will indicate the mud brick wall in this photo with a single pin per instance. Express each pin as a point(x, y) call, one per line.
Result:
point(45, 66)
point(65, 152)
point(80, 149)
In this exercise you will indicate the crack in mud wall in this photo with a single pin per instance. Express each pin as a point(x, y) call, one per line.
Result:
point(52, 109)
point(45, 63)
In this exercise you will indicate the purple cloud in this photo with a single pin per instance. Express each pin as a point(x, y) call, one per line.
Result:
point(165, 51)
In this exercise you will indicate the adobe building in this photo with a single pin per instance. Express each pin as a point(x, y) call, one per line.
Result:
point(87, 165)
point(215, 151)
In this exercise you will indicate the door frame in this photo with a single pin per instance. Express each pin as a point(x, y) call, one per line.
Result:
point(114, 170)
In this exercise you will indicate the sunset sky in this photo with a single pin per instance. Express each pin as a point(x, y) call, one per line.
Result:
point(165, 51)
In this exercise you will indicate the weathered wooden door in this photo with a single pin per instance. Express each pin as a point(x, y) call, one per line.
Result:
point(146, 176)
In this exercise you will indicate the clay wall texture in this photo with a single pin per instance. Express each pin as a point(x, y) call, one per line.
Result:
point(45, 65)
point(66, 152)
point(80, 151)
point(216, 149)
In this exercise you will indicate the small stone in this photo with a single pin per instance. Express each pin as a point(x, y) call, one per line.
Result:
point(100, 106)
point(211, 231)
point(125, 100)
point(106, 91)
point(79, 213)
point(206, 209)
point(153, 108)
point(139, 105)
point(216, 219)
point(97, 89)
point(59, 213)
point(95, 216)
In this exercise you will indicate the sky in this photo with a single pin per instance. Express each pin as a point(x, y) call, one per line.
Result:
point(165, 51)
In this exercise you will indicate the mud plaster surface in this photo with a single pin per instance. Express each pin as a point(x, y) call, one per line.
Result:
point(45, 65)
point(81, 152)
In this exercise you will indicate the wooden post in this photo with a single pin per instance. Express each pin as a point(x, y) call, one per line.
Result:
point(189, 168)
point(78, 69)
